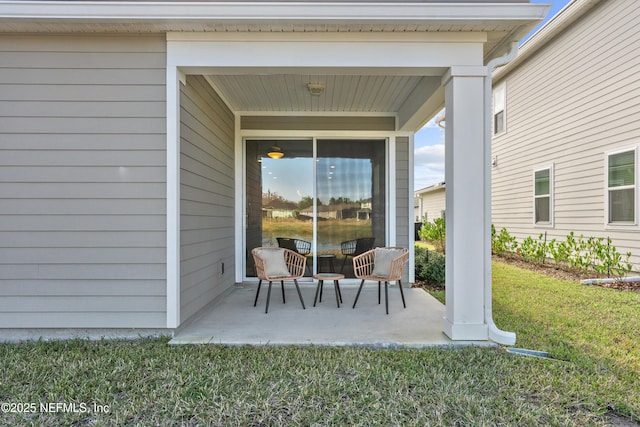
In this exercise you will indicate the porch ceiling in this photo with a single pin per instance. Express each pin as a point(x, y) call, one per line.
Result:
point(354, 93)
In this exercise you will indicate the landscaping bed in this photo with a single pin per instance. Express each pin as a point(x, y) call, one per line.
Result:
point(561, 273)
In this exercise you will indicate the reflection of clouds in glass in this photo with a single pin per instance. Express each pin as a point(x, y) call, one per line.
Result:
point(344, 178)
point(290, 178)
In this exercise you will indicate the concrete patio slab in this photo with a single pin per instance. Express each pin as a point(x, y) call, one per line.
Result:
point(233, 320)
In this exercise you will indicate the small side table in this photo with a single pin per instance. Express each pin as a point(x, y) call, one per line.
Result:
point(321, 277)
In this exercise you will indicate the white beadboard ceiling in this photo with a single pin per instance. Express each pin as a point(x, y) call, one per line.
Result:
point(288, 92)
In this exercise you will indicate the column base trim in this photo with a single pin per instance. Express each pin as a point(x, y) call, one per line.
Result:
point(465, 331)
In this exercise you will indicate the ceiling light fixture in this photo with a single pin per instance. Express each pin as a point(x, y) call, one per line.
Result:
point(315, 89)
point(276, 152)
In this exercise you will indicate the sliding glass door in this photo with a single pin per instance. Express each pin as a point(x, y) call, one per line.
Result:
point(324, 198)
point(279, 195)
point(350, 177)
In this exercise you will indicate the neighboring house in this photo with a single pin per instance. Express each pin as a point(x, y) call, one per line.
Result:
point(134, 138)
point(363, 214)
point(278, 209)
point(337, 211)
point(277, 213)
point(429, 203)
point(566, 136)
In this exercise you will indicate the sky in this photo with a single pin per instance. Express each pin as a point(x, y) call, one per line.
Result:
point(429, 141)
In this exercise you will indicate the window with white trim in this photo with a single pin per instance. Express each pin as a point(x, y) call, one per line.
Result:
point(499, 109)
point(543, 195)
point(621, 187)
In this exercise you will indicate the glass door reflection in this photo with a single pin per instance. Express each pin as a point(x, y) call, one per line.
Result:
point(350, 188)
point(279, 196)
point(348, 215)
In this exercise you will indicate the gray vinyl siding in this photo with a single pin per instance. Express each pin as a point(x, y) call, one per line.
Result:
point(82, 181)
point(206, 196)
point(569, 104)
point(404, 199)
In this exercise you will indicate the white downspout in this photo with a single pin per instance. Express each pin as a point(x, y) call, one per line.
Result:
point(495, 334)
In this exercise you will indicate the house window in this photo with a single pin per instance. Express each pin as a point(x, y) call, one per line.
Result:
point(621, 187)
point(499, 109)
point(543, 188)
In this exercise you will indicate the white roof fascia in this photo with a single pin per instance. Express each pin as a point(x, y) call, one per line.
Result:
point(431, 188)
point(561, 21)
point(459, 13)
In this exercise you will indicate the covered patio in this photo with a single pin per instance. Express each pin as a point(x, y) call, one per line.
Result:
point(162, 232)
point(330, 96)
point(233, 320)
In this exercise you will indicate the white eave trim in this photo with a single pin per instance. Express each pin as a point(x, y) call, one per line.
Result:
point(430, 189)
point(460, 13)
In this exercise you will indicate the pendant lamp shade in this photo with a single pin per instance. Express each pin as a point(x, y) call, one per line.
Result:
point(276, 152)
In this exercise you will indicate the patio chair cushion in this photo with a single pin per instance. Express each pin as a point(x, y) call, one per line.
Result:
point(274, 263)
point(382, 261)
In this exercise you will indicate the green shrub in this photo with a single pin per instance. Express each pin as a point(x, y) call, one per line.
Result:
point(434, 232)
point(502, 243)
point(592, 254)
point(533, 250)
point(430, 267)
point(559, 252)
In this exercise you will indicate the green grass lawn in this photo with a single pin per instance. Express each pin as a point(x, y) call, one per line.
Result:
point(590, 332)
point(425, 245)
point(328, 229)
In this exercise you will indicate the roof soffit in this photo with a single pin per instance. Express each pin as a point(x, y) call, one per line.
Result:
point(267, 16)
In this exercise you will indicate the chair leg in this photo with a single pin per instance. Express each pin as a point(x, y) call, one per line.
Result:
point(315, 300)
point(402, 293)
point(299, 294)
point(358, 294)
point(339, 291)
point(282, 286)
point(336, 288)
point(321, 289)
point(268, 297)
point(378, 292)
point(257, 293)
point(386, 296)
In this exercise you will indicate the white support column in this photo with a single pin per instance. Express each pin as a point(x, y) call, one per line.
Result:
point(411, 222)
point(466, 189)
point(174, 79)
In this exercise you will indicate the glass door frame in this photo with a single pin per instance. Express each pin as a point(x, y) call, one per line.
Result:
point(389, 180)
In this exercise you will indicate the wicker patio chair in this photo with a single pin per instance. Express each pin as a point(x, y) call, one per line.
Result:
point(381, 265)
point(352, 248)
point(300, 246)
point(278, 264)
